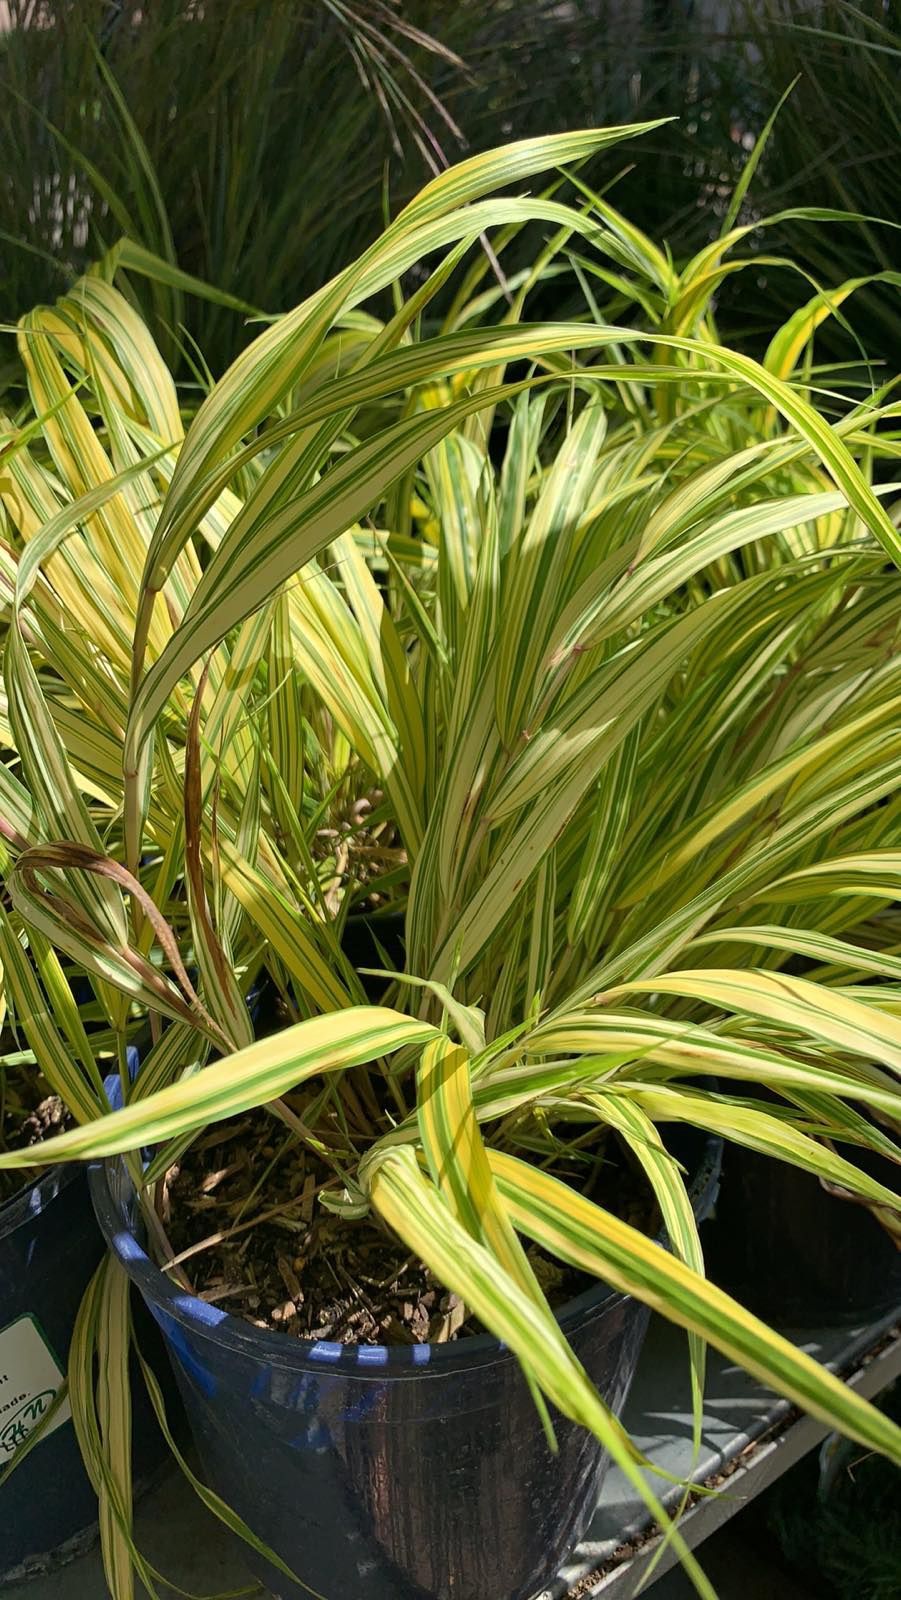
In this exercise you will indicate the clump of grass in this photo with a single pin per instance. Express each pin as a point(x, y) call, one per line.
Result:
point(575, 642)
point(245, 139)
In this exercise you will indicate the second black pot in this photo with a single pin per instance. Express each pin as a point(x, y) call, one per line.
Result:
point(50, 1247)
point(797, 1255)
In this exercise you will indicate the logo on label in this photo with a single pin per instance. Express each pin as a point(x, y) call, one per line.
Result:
point(16, 1430)
point(30, 1379)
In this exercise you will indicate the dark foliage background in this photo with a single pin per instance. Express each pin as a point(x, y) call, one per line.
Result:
point(257, 142)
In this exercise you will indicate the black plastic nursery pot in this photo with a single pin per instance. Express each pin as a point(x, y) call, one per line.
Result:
point(50, 1247)
point(796, 1254)
point(415, 1472)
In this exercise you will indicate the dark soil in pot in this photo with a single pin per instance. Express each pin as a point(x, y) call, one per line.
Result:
point(244, 1217)
point(29, 1114)
point(387, 1471)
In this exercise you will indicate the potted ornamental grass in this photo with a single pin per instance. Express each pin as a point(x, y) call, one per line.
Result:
point(441, 748)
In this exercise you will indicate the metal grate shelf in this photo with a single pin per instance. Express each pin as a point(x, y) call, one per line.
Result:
point(749, 1438)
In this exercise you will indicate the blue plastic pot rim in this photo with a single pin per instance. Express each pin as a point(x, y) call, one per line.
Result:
point(277, 1350)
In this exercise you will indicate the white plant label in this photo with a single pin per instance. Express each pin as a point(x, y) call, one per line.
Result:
point(30, 1379)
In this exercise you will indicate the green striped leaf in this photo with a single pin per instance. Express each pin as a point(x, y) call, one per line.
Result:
point(758, 1129)
point(806, 1007)
point(239, 1082)
point(83, 1097)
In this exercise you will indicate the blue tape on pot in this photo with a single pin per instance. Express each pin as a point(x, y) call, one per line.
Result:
point(389, 1473)
point(50, 1246)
